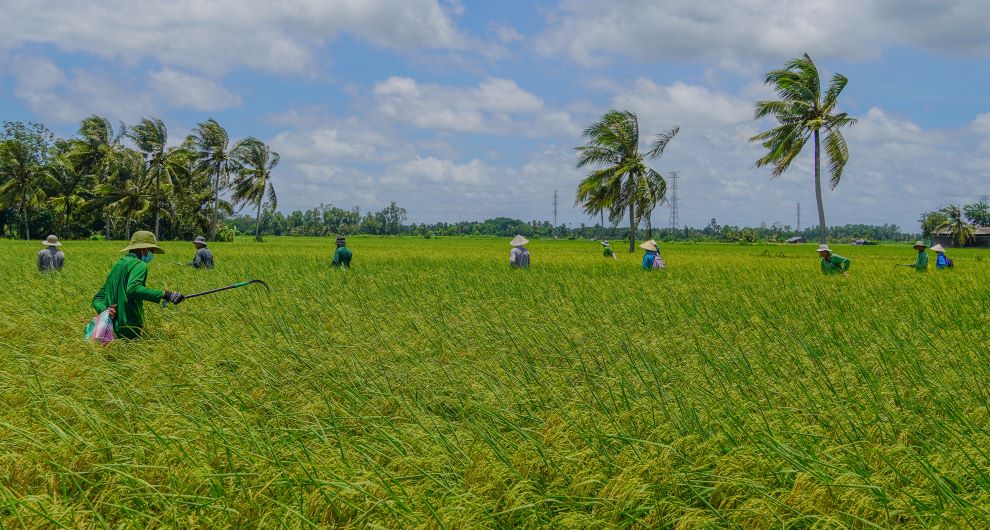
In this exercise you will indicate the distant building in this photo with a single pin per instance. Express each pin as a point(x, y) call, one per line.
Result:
point(796, 240)
point(982, 239)
point(864, 242)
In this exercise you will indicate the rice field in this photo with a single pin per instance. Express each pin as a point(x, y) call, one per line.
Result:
point(432, 387)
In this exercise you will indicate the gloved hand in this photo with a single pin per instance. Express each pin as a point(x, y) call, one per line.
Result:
point(173, 298)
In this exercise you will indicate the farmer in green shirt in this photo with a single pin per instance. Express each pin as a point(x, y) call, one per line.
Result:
point(124, 292)
point(832, 263)
point(920, 264)
point(608, 252)
point(342, 257)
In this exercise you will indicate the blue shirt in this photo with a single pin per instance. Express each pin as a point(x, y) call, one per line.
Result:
point(941, 261)
point(648, 259)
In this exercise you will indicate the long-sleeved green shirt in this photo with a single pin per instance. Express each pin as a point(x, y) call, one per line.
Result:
point(342, 257)
point(835, 264)
point(921, 264)
point(125, 288)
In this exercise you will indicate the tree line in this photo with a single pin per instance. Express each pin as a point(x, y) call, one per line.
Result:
point(109, 179)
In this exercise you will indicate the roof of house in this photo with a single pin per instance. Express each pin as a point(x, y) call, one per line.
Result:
point(980, 231)
point(798, 238)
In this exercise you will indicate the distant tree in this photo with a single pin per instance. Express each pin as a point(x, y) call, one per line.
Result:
point(130, 191)
point(23, 180)
point(625, 183)
point(211, 146)
point(804, 113)
point(93, 156)
point(255, 162)
point(931, 221)
point(165, 165)
point(978, 213)
point(960, 231)
point(66, 193)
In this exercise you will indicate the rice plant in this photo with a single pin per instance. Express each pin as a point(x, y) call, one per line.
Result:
point(432, 386)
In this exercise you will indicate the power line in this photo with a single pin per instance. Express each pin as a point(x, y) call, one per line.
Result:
point(555, 208)
point(675, 218)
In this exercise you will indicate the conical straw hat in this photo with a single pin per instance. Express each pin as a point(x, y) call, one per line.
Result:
point(649, 245)
point(519, 241)
point(938, 248)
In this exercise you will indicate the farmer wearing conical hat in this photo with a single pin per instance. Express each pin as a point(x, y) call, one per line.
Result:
point(124, 292)
point(519, 255)
point(342, 256)
point(651, 258)
point(941, 260)
point(608, 252)
point(833, 263)
point(921, 263)
point(203, 258)
point(51, 258)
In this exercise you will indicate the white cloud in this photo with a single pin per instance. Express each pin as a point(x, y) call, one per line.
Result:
point(347, 141)
point(215, 37)
point(436, 171)
point(493, 106)
point(728, 31)
point(185, 90)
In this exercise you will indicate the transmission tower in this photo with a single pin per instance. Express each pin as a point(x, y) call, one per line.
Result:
point(555, 209)
point(799, 217)
point(675, 218)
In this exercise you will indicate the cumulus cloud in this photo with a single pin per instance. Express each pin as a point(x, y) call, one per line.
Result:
point(495, 105)
point(730, 31)
point(217, 36)
point(185, 90)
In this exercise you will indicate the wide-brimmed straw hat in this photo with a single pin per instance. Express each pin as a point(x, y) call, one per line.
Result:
point(200, 240)
point(144, 239)
point(920, 244)
point(938, 248)
point(649, 245)
point(519, 241)
point(52, 241)
point(605, 243)
point(823, 248)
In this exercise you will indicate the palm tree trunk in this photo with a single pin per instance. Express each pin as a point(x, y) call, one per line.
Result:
point(632, 226)
point(257, 225)
point(127, 228)
point(822, 235)
point(158, 202)
point(24, 211)
point(106, 226)
point(216, 205)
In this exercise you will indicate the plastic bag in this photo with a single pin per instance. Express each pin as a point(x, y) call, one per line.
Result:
point(100, 329)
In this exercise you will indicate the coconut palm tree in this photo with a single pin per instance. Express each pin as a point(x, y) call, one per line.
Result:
point(625, 183)
point(23, 180)
point(804, 113)
point(253, 185)
point(961, 231)
point(210, 144)
point(130, 190)
point(67, 189)
point(165, 164)
point(94, 154)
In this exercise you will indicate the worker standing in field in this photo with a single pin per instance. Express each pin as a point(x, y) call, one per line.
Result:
point(342, 256)
point(941, 260)
point(652, 259)
point(203, 258)
point(519, 255)
point(124, 292)
point(51, 259)
point(833, 263)
point(608, 252)
point(921, 262)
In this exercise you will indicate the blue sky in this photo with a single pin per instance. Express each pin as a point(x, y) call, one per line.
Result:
point(471, 109)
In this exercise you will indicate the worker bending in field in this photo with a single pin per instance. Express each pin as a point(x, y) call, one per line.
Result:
point(519, 255)
point(941, 260)
point(652, 259)
point(203, 258)
point(51, 258)
point(342, 256)
point(833, 263)
point(124, 292)
point(921, 262)
point(608, 252)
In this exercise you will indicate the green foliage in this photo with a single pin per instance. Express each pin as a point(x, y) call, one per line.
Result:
point(978, 213)
point(740, 390)
point(960, 231)
point(226, 233)
point(931, 221)
point(622, 181)
point(804, 113)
